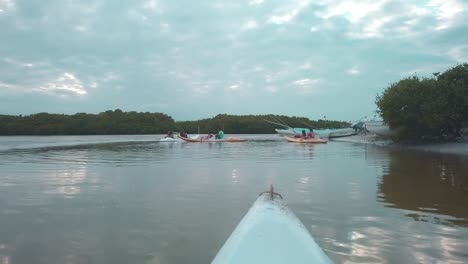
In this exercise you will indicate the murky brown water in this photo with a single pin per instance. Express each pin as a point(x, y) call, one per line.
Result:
point(150, 202)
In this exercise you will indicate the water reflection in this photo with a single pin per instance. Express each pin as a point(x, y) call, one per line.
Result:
point(177, 203)
point(430, 185)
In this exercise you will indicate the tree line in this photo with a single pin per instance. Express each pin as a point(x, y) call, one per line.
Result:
point(427, 109)
point(118, 122)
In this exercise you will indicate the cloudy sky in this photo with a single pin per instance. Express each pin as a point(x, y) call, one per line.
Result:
point(195, 59)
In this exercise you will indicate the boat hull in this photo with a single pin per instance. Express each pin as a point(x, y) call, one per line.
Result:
point(306, 140)
point(342, 132)
point(327, 133)
point(270, 233)
point(201, 139)
point(291, 131)
point(379, 128)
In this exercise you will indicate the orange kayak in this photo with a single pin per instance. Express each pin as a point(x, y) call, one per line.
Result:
point(201, 139)
point(306, 140)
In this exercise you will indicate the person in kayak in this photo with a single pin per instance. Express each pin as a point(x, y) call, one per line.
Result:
point(311, 134)
point(169, 134)
point(220, 134)
point(304, 136)
point(183, 134)
point(210, 135)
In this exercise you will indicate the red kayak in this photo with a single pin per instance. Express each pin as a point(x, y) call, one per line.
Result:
point(306, 140)
point(202, 139)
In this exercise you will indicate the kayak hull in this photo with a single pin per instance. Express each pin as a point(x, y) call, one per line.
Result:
point(306, 140)
point(270, 233)
point(201, 139)
point(177, 139)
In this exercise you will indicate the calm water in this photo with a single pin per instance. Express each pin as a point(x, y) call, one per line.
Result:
point(150, 202)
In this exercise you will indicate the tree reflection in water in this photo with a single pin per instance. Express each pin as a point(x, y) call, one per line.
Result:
point(434, 186)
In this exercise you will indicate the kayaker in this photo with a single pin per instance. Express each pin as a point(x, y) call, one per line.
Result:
point(311, 134)
point(304, 134)
point(183, 134)
point(210, 135)
point(169, 134)
point(220, 134)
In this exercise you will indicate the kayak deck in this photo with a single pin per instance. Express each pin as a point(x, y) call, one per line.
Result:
point(270, 233)
point(306, 140)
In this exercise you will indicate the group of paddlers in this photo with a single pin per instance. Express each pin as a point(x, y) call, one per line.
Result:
point(306, 135)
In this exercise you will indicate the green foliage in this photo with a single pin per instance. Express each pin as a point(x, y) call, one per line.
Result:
point(252, 124)
point(106, 123)
point(119, 122)
point(427, 108)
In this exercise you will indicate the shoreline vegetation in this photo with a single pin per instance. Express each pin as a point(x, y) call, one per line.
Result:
point(118, 122)
point(425, 110)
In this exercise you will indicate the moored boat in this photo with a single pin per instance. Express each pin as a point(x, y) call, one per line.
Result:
point(291, 131)
point(270, 233)
point(203, 139)
point(327, 133)
point(379, 128)
point(340, 132)
point(306, 140)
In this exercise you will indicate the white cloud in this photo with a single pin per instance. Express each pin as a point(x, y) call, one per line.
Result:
point(249, 25)
point(372, 29)
point(18, 63)
point(256, 2)
point(371, 19)
point(151, 5)
point(306, 82)
point(446, 11)
point(307, 86)
point(354, 70)
point(8, 86)
point(354, 11)
point(6, 5)
point(64, 85)
point(234, 87)
point(291, 13)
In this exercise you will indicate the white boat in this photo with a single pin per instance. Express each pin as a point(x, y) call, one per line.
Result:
point(288, 131)
point(291, 131)
point(340, 132)
point(270, 233)
point(379, 128)
point(323, 133)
